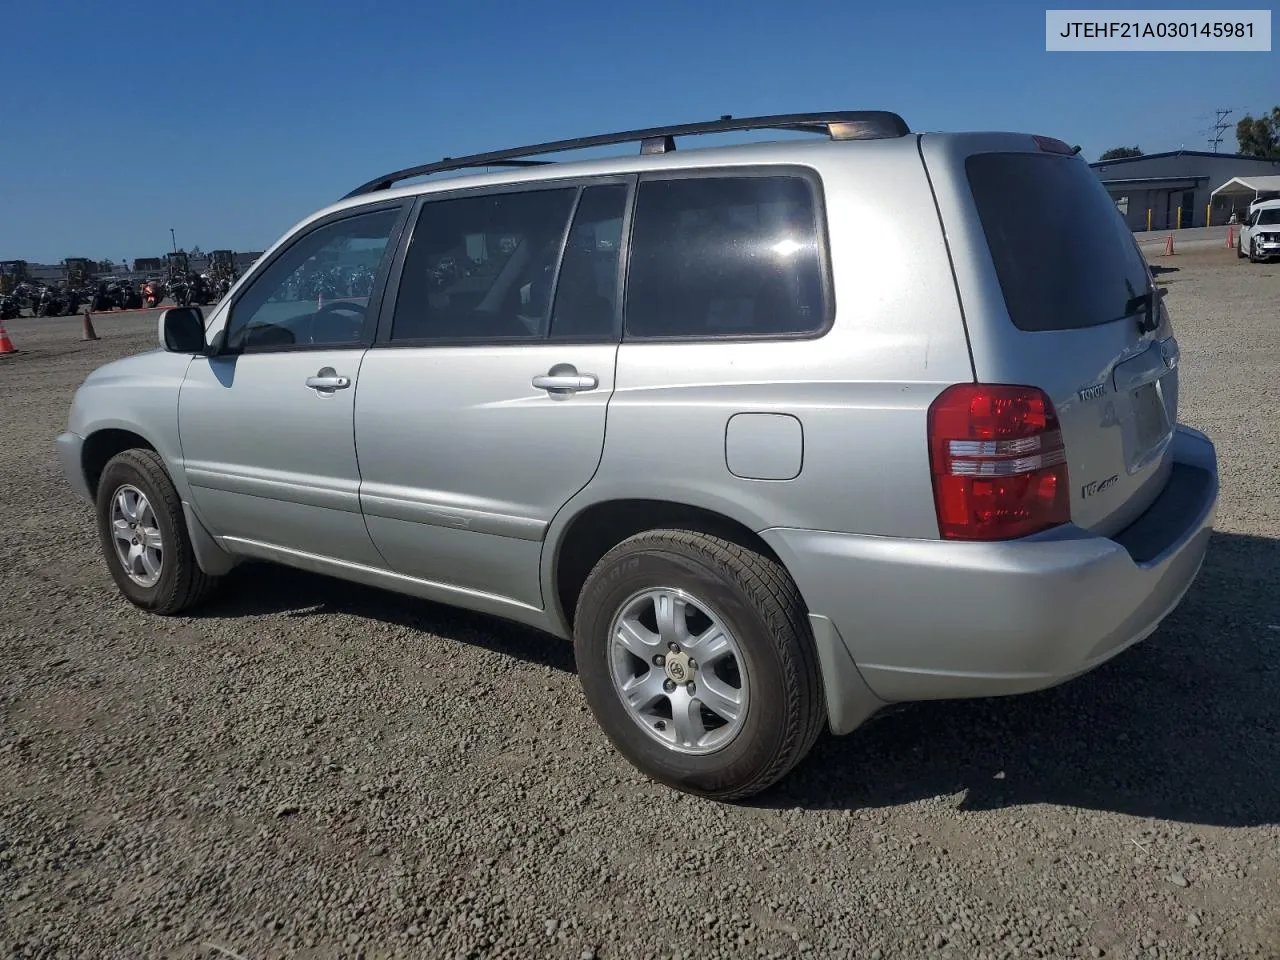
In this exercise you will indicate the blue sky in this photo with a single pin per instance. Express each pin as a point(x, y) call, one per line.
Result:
point(229, 120)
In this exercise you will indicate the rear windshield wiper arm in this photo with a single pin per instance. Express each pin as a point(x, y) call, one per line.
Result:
point(1145, 304)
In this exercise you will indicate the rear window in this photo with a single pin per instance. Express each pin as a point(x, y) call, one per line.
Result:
point(1064, 257)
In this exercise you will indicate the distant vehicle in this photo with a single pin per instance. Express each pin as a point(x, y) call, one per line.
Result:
point(1259, 237)
point(867, 418)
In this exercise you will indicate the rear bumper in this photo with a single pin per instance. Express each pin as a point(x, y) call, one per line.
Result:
point(70, 446)
point(934, 619)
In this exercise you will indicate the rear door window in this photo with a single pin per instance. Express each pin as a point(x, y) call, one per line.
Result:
point(1064, 257)
point(732, 256)
point(483, 267)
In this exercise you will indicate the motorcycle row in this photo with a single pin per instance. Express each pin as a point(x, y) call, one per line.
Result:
point(332, 283)
point(110, 294)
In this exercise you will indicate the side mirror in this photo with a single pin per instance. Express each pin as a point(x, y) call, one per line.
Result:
point(182, 330)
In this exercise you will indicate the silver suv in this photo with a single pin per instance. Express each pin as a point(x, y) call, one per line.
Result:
point(777, 433)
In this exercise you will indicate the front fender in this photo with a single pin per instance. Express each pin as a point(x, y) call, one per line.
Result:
point(139, 395)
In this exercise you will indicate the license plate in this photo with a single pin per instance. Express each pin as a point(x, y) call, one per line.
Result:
point(1150, 418)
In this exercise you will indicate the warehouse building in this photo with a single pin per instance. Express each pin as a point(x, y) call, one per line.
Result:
point(1149, 191)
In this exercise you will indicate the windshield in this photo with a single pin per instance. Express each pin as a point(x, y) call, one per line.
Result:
point(1268, 217)
point(1063, 255)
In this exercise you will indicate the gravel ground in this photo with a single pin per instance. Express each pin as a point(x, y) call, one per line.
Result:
point(314, 769)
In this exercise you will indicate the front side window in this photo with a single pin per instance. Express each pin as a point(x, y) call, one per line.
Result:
point(317, 292)
point(725, 257)
point(483, 267)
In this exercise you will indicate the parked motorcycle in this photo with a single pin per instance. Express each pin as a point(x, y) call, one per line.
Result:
point(180, 292)
point(361, 282)
point(103, 298)
point(153, 293)
point(49, 303)
point(130, 297)
point(201, 292)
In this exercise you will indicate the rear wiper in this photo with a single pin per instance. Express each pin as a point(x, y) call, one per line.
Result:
point(1145, 304)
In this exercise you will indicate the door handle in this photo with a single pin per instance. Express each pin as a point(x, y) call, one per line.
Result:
point(326, 379)
point(566, 382)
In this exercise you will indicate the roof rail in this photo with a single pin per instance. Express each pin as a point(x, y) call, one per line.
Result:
point(838, 125)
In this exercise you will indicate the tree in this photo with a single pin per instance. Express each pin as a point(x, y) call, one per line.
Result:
point(105, 266)
point(1260, 136)
point(1121, 153)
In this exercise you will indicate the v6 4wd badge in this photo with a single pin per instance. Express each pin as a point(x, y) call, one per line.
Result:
point(1097, 486)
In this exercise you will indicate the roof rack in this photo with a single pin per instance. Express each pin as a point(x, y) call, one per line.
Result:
point(838, 125)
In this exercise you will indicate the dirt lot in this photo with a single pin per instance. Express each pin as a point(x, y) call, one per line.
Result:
point(313, 769)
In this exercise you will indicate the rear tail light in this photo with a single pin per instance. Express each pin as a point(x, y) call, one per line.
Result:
point(999, 465)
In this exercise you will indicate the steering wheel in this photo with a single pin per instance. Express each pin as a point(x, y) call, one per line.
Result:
point(348, 327)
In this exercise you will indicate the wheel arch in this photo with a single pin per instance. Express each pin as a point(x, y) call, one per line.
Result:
point(579, 538)
point(104, 443)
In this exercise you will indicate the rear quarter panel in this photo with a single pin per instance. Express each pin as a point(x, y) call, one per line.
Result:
point(860, 390)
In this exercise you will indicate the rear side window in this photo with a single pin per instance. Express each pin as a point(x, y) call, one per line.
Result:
point(483, 267)
point(1064, 257)
point(725, 257)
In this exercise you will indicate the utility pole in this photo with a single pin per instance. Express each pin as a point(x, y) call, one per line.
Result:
point(1219, 127)
point(173, 239)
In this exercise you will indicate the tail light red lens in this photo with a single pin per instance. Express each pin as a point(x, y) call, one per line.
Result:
point(998, 461)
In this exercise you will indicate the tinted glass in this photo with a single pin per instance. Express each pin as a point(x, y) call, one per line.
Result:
point(1268, 218)
point(587, 288)
point(482, 267)
point(1064, 257)
point(725, 256)
point(317, 292)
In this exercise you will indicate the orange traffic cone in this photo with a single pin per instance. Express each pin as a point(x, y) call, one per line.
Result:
point(88, 333)
point(6, 345)
point(1168, 246)
point(1231, 236)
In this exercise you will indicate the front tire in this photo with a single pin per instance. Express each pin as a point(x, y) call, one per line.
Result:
point(144, 537)
point(696, 658)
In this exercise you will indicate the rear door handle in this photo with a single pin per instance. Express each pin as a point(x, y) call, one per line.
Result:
point(566, 382)
point(328, 380)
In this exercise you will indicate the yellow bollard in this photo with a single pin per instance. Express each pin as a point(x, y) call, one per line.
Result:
point(1148, 219)
point(1179, 218)
point(1208, 214)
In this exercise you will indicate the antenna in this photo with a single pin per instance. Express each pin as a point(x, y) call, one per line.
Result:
point(1219, 127)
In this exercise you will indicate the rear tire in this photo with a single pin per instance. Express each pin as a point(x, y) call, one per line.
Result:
point(720, 586)
point(150, 558)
